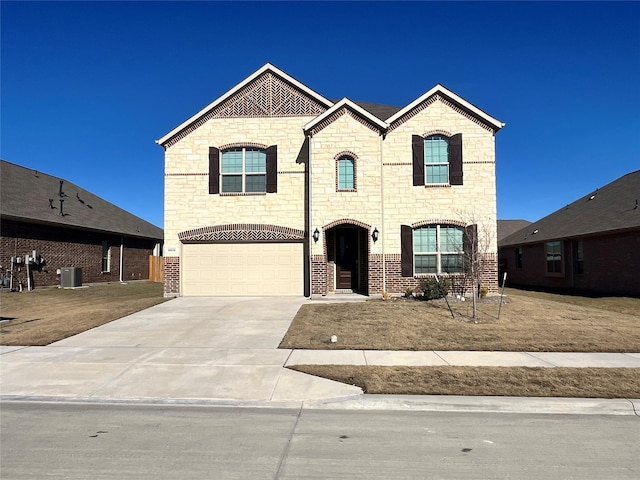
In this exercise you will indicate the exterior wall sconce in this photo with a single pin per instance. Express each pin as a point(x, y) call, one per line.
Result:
point(374, 235)
point(316, 236)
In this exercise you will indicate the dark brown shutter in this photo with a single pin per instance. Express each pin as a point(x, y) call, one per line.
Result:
point(470, 246)
point(406, 250)
point(214, 170)
point(455, 160)
point(272, 169)
point(417, 149)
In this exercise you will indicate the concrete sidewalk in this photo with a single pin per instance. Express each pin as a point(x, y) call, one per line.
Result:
point(217, 349)
point(462, 358)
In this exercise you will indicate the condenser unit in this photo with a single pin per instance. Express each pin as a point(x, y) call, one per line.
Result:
point(70, 277)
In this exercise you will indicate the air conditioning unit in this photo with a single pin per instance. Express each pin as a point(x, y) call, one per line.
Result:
point(70, 277)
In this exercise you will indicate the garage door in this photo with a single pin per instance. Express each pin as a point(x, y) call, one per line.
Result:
point(242, 269)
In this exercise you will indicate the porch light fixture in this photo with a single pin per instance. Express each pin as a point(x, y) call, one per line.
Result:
point(316, 236)
point(374, 235)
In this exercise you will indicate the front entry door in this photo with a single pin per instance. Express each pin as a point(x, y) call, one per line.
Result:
point(347, 258)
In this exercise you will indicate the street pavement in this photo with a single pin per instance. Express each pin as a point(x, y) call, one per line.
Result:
point(222, 350)
point(81, 441)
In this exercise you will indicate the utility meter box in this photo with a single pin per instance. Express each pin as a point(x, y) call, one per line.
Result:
point(70, 277)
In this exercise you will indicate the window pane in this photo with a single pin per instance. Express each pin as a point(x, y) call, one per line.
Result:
point(345, 173)
point(451, 263)
point(232, 161)
point(451, 239)
point(256, 183)
point(437, 173)
point(426, 264)
point(255, 160)
point(436, 149)
point(231, 183)
point(424, 240)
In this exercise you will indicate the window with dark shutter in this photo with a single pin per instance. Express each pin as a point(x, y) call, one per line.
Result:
point(272, 169)
point(417, 149)
point(455, 159)
point(214, 170)
point(406, 246)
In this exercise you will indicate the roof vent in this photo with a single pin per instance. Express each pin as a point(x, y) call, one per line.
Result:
point(535, 231)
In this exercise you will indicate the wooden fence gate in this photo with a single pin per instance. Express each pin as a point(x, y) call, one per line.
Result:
point(156, 269)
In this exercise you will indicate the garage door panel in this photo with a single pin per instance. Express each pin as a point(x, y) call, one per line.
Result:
point(242, 269)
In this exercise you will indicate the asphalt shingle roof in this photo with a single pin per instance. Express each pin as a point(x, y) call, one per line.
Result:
point(381, 111)
point(507, 227)
point(611, 208)
point(30, 195)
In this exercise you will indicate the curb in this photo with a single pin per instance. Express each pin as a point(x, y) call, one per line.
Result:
point(416, 403)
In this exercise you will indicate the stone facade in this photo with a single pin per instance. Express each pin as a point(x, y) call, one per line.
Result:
point(307, 198)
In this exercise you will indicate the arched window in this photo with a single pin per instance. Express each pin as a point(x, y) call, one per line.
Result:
point(346, 179)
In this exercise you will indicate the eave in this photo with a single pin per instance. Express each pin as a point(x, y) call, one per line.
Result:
point(494, 123)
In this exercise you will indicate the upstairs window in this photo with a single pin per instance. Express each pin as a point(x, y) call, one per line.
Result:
point(436, 159)
point(243, 170)
point(346, 173)
point(240, 169)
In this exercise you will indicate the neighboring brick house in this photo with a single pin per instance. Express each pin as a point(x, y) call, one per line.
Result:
point(274, 190)
point(69, 227)
point(591, 245)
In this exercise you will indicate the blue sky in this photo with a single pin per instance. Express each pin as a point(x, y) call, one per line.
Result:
point(87, 88)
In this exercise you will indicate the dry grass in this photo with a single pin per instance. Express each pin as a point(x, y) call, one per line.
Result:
point(529, 321)
point(47, 315)
point(501, 381)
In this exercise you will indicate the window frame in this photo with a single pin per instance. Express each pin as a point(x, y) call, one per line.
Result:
point(519, 255)
point(340, 158)
point(438, 253)
point(427, 164)
point(557, 264)
point(244, 174)
point(454, 157)
point(105, 266)
point(579, 258)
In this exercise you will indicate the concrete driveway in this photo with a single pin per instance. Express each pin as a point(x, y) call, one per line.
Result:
point(190, 348)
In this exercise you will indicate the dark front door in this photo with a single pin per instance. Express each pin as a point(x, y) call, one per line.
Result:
point(347, 258)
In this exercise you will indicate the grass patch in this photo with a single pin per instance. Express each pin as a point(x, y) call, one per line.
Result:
point(500, 381)
point(46, 315)
point(530, 321)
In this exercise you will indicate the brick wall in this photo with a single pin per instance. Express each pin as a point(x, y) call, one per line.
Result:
point(611, 265)
point(323, 278)
point(61, 247)
point(171, 276)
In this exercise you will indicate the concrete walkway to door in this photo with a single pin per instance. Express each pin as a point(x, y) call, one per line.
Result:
point(190, 348)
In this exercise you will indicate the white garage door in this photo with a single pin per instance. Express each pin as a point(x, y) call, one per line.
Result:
point(242, 269)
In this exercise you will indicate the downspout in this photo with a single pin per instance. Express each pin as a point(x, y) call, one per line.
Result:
point(121, 257)
point(383, 227)
point(309, 234)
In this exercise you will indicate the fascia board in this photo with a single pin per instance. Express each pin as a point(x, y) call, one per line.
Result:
point(250, 78)
point(456, 98)
point(345, 102)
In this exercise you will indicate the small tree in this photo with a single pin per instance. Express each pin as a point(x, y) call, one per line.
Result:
point(477, 242)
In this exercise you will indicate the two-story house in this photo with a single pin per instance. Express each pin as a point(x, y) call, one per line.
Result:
point(273, 189)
